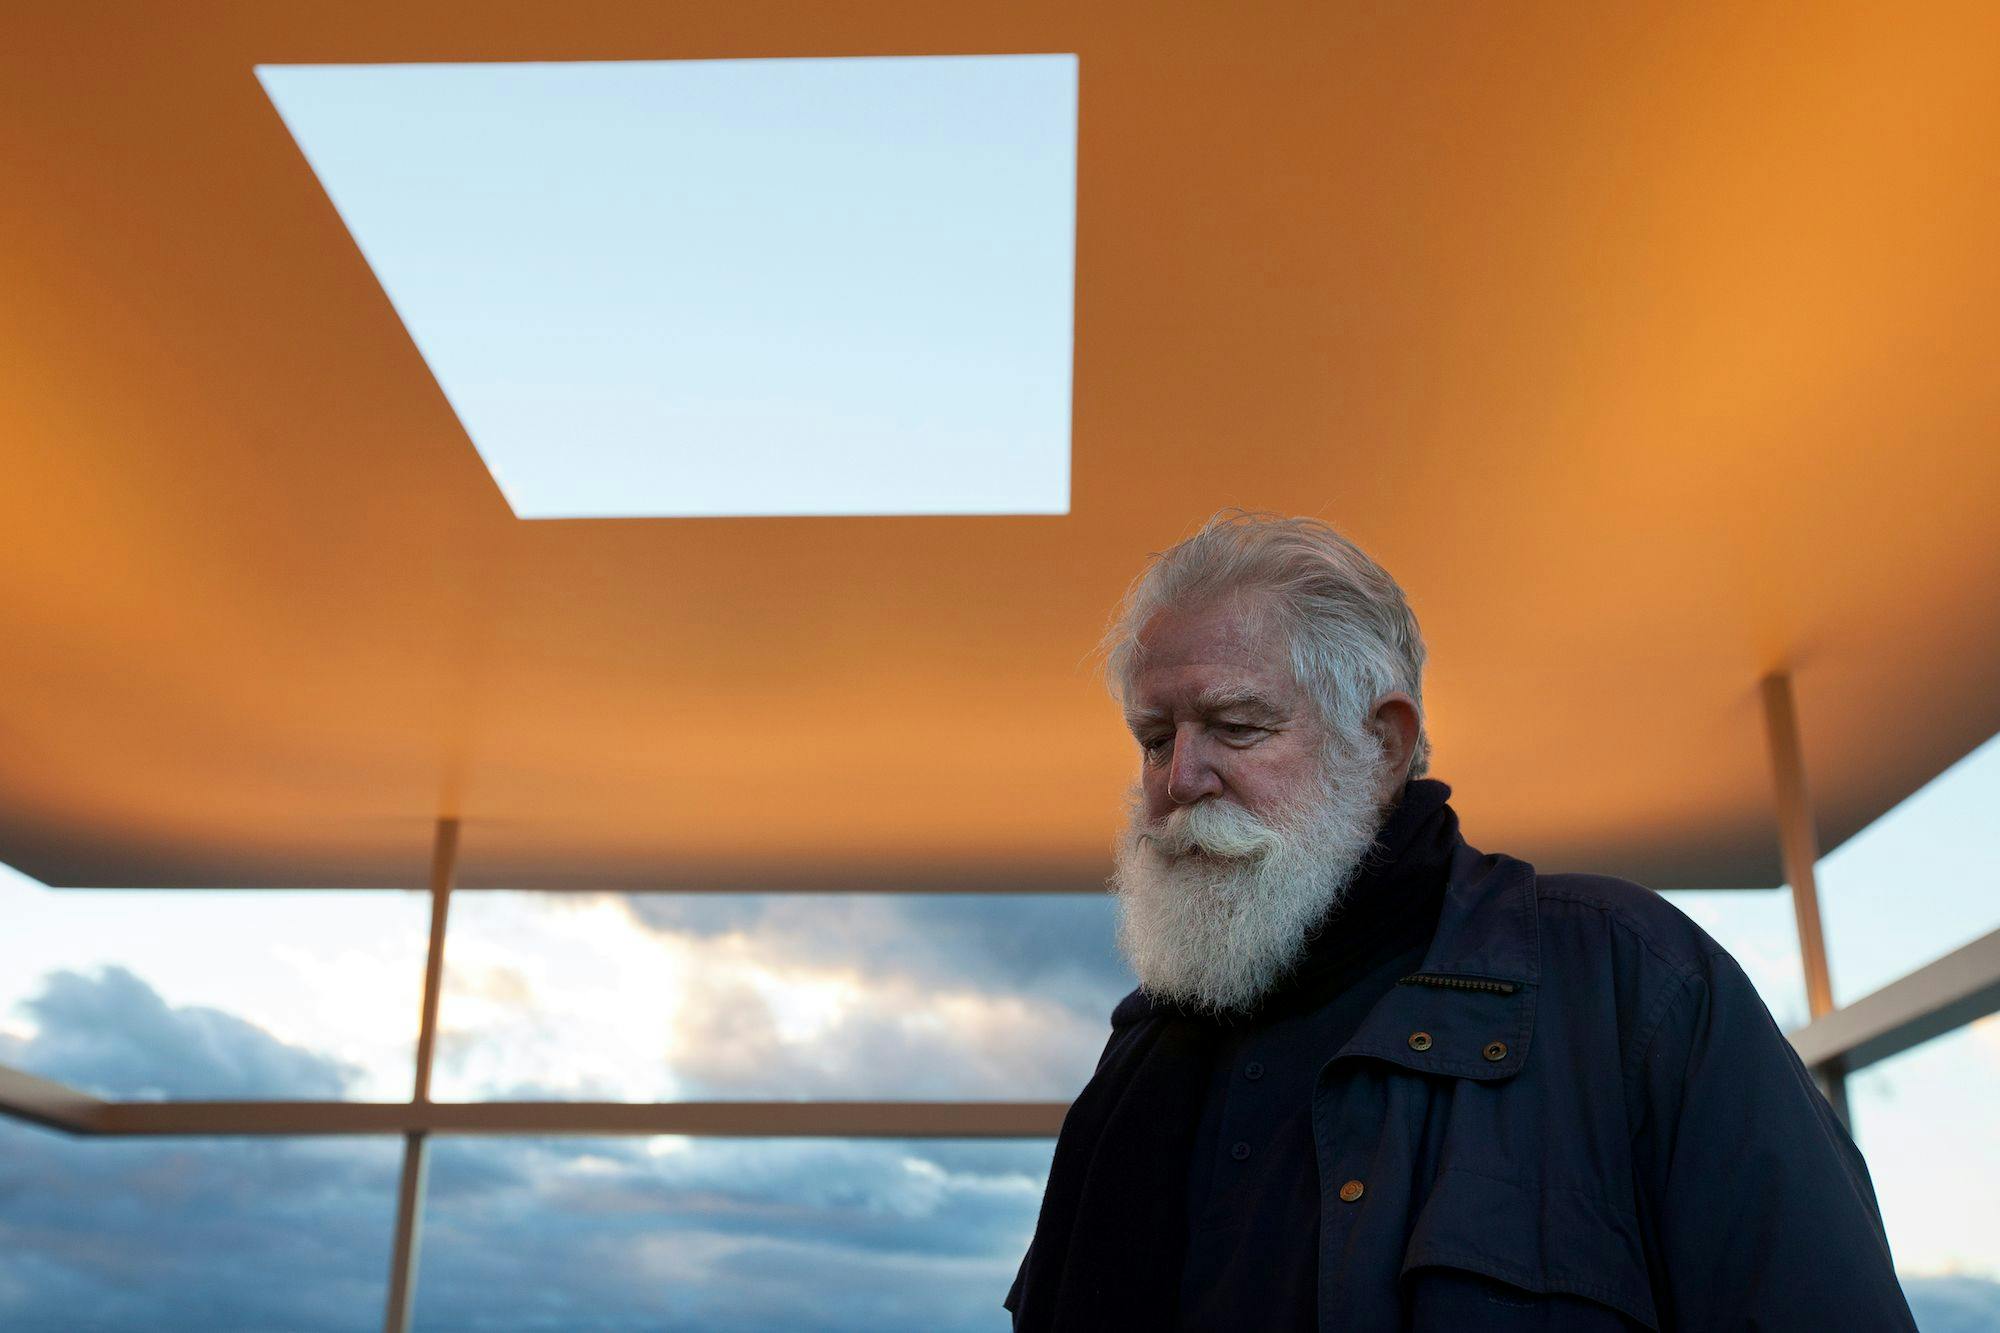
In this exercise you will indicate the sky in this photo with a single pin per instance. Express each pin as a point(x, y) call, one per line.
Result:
point(703, 287)
point(662, 996)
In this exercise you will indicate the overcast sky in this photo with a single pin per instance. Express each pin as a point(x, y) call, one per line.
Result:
point(305, 994)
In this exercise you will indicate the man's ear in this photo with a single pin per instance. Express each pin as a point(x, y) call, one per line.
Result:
point(1395, 721)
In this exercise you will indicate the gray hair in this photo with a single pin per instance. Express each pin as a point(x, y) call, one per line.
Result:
point(1353, 635)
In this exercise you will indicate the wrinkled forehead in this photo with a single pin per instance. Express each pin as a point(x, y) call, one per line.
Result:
point(1238, 626)
point(1227, 651)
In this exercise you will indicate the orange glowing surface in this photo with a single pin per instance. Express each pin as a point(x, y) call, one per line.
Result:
point(1651, 349)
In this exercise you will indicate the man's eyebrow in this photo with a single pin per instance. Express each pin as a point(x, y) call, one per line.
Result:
point(1244, 700)
point(1210, 703)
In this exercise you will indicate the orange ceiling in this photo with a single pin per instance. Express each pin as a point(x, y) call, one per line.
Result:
point(1652, 348)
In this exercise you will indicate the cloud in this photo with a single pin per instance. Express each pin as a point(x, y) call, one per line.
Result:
point(556, 1234)
point(576, 1235)
point(730, 1234)
point(208, 1235)
point(826, 996)
point(112, 1034)
point(882, 1038)
point(1059, 946)
point(890, 995)
point(1954, 1304)
point(562, 1234)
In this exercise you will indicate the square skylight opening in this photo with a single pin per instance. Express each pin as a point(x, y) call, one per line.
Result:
point(725, 287)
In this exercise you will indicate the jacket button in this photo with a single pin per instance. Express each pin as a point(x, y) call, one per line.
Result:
point(1253, 1070)
point(1420, 1041)
point(1350, 1191)
point(1495, 1050)
point(1240, 1151)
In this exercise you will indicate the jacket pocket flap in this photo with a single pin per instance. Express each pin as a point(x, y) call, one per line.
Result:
point(1544, 1239)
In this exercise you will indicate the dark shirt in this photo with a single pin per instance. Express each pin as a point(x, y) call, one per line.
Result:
point(1252, 1257)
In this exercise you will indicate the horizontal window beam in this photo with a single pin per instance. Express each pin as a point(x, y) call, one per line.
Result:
point(820, 1119)
point(43, 1101)
point(1958, 988)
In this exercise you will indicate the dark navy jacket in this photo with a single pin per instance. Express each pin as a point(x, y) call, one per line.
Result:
point(1578, 1115)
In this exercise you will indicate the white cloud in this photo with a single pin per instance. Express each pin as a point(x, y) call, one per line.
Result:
point(580, 995)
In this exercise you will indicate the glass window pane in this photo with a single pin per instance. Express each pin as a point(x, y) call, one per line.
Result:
point(1759, 929)
point(663, 997)
point(726, 1234)
point(108, 1235)
point(1925, 1121)
point(213, 994)
point(1917, 883)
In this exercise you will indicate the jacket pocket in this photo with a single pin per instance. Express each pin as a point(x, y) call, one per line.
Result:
point(1488, 1253)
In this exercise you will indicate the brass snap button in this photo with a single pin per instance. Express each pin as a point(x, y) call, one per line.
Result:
point(1420, 1041)
point(1350, 1191)
point(1495, 1050)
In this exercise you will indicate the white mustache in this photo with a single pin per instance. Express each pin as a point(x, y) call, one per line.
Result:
point(1215, 828)
point(1214, 932)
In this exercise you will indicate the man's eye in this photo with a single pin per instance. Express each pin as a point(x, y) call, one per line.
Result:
point(1155, 746)
point(1238, 731)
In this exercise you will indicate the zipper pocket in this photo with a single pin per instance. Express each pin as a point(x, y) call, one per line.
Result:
point(1458, 983)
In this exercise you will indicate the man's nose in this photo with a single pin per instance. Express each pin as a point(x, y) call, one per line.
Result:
point(1190, 776)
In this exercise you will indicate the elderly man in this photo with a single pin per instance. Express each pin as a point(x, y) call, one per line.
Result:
point(1376, 1079)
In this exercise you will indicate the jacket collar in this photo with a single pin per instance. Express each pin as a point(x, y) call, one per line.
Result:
point(1469, 1010)
point(1488, 936)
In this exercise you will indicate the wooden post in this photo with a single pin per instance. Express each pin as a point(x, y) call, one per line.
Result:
point(416, 1148)
point(409, 1233)
point(444, 862)
point(1798, 842)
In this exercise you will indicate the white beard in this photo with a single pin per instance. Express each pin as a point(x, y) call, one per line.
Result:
point(1214, 903)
